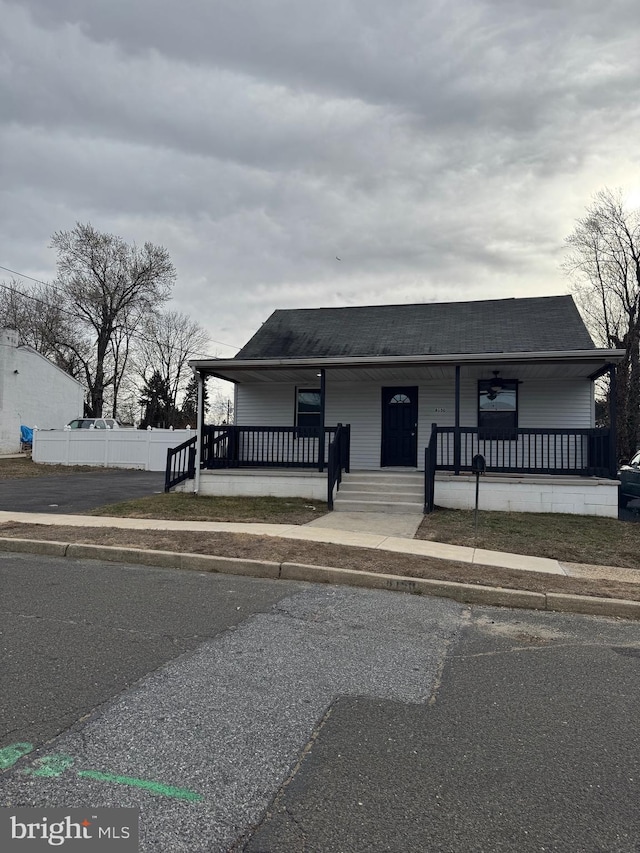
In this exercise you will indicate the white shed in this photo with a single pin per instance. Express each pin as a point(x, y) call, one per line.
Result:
point(33, 392)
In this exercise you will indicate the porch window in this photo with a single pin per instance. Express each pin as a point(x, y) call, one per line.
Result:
point(308, 407)
point(497, 409)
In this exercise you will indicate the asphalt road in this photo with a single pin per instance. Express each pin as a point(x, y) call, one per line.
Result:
point(77, 493)
point(76, 633)
point(530, 745)
point(316, 718)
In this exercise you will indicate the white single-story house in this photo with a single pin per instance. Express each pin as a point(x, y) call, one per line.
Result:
point(33, 392)
point(392, 405)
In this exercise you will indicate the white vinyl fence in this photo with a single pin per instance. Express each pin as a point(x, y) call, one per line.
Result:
point(107, 448)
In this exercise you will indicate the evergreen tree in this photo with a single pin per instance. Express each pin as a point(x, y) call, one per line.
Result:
point(189, 411)
point(156, 400)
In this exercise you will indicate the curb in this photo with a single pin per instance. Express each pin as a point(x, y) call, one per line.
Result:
point(465, 593)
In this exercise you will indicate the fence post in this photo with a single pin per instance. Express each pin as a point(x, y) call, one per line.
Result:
point(348, 449)
point(425, 508)
point(232, 446)
point(457, 449)
point(168, 469)
point(330, 482)
point(321, 439)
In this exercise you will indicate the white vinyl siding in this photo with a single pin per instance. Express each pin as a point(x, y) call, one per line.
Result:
point(542, 404)
point(551, 404)
point(265, 404)
point(359, 405)
point(556, 404)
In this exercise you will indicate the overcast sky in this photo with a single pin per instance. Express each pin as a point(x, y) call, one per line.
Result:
point(441, 150)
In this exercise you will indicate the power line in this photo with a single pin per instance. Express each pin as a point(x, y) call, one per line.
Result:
point(133, 335)
point(68, 313)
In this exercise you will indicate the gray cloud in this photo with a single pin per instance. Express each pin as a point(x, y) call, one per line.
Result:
point(440, 150)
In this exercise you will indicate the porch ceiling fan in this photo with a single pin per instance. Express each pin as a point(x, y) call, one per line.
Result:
point(495, 385)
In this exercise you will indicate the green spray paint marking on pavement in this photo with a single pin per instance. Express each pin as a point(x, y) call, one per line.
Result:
point(12, 753)
point(154, 787)
point(49, 766)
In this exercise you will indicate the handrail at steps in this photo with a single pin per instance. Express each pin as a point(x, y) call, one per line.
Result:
point(430, 458)
point(339, 451)
point(181, 463)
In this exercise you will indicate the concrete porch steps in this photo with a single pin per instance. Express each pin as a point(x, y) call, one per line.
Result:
point(381, 491)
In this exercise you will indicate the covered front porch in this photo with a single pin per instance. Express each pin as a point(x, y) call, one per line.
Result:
point(527, 470)
point(528, 415)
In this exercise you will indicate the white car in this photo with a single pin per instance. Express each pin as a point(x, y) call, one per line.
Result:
point(93, 423)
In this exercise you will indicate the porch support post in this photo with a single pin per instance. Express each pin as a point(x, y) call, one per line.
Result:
point(613, 422)
point(456, 434)
point(199, 432)
point(322, 409)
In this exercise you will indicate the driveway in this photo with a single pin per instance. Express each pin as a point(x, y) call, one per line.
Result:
point(77, 493)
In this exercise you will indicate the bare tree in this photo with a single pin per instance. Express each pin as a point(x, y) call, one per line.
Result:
point(605, 266)
point(167, 341)
point(105, 281)
point(221, 405)
point(36, 312)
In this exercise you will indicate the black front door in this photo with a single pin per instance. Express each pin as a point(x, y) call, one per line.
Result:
point(400, 426)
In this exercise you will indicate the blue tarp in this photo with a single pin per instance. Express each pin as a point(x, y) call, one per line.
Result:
point(26, 435)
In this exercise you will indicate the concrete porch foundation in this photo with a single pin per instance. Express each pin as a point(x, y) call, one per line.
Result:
point(260, 482)
point(498, 492)
point(528, 493)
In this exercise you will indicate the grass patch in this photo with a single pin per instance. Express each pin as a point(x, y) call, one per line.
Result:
point(188, 507)
point(25, 467)
point(257, 547)
point(571, 538)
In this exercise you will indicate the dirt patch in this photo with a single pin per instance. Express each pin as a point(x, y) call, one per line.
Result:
point(24, 467)
point(320, 554)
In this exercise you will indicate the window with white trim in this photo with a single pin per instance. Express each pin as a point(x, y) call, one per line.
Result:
point(308, 407)
point(497, 406)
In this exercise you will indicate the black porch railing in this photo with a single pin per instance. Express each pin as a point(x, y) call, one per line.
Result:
point(584, 452)
point(256, 447)
point(266, 447)
point(430, 458)
point(581, 452)
point(181, 463)
point(339, 451)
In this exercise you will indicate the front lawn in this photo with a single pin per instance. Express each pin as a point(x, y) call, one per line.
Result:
point(571, 538)
point(188, 507)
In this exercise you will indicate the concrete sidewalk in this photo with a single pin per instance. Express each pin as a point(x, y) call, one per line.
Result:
point(380, 540)
point(314, 532)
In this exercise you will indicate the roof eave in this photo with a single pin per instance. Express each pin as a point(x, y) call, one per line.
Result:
point(218, 367)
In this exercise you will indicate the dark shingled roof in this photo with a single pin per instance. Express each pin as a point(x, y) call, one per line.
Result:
point(538, 324)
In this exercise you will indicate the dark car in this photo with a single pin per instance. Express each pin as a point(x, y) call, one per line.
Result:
point(629, 476)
